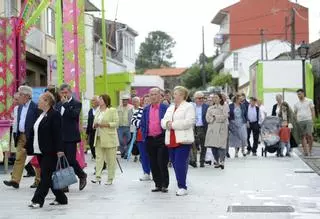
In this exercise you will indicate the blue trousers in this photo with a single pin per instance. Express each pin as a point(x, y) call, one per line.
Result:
point(145, 161)
point(124, 138)
point(179, 158)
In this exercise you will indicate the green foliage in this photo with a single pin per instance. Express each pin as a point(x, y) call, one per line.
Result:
point(222, 79)
point(193, 78)
point(317, 129)
point(155, 51)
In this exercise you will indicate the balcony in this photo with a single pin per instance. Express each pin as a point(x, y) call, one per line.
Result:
point(34, 41)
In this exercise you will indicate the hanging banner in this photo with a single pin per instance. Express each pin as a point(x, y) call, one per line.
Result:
point(12, 72)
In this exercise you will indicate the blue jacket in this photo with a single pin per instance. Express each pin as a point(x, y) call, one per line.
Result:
point(244, 110)
point(204, 113)
point(145, 119)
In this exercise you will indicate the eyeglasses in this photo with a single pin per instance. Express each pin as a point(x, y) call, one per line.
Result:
point(200, 98)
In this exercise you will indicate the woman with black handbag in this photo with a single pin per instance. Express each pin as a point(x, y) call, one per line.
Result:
point(47, 145)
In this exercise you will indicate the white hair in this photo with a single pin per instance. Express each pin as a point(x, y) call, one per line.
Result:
point(26, 90)
point(136, 99)
point(198, 94)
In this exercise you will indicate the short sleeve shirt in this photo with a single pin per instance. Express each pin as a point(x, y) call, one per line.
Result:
point(303, 110)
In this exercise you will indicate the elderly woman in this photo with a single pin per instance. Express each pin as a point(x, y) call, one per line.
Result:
point(47, 145)
point(276, 107)
point(179, 121)
point(286, 115)
point(217, 133)
point(106, 141)
point(237, 126)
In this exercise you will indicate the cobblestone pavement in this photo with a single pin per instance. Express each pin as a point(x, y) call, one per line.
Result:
point(251, 181)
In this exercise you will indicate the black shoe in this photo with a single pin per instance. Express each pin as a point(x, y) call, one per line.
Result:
point(227, 155)
point(65, 190)
point(209, 163)
point(193, 164)
point(157, 189)
point(222, 166)
point(201, 165)
point(254, 154)
point(34, 185)
point(82, 182)
point(164, 190)
point(11, 183)
point(248, 152)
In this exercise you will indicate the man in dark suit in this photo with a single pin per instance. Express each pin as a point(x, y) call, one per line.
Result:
point(253, 124)
point(90, 130)
point(153, 135)
point(200, 129)
point(70, 111)
point(27, 115)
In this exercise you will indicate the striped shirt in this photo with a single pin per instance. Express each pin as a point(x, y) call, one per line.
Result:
point(136, 118)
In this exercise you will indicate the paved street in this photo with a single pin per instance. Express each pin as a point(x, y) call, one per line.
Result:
point(252, 181)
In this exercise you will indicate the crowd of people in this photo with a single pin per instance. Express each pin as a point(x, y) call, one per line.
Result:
point(169, 129)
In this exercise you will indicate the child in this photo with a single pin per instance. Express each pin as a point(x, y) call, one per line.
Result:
point(284, 135)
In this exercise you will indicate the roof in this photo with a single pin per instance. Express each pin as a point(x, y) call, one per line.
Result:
point(166, 72)
point(221, 14)
point(315, 49)
point(90, 7)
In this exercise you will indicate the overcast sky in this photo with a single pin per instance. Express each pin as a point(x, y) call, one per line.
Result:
point(183, 20)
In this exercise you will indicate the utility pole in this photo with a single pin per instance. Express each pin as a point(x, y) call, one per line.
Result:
point(203, 61)
point(262, 42)
point(293, 33)
point(266, 49)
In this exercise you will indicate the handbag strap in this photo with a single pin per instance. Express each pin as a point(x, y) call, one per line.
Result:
point(65, 162)
point(58, 167)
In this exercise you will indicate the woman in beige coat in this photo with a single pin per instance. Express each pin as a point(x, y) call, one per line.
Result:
point(106, 139)
point(217, 132)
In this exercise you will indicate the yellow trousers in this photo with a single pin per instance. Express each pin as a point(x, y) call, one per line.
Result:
point(21, 156)
point(107, 155)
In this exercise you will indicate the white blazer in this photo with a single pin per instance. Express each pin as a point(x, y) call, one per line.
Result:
point(183, 121)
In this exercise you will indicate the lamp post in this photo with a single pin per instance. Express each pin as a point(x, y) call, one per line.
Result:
point(303, 51)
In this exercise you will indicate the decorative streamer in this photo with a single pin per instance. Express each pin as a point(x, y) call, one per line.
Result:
point(59, 41)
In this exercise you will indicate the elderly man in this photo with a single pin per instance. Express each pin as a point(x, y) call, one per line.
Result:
point(153, 135)
point(90, 130)
point(125, 115)
point(27, 115)
point(200, 129)
point(70, 109)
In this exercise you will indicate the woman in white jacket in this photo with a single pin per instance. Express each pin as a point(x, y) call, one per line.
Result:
point(179, 121)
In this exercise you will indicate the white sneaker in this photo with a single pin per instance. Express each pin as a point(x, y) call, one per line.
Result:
point(182, 192)
point(145, 177)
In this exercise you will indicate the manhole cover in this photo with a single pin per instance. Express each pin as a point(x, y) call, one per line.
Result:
point(260, 209)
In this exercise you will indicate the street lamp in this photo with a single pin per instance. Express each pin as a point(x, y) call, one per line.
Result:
point(303, 51)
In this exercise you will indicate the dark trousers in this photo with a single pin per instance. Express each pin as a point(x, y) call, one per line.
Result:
point(159, 158)
point(71, 154)
point(219, 154)
point(255, 129)
point(48, 166)
point(179, 158)
point(200, 137)
point(30, 170)
point(91, 143)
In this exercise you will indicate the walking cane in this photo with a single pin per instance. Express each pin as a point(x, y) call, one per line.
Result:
point(119, 165)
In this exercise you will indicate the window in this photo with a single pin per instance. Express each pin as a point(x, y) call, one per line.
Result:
point(235, 61)
point(50, 27)
point(131, 49)
point(126, 46)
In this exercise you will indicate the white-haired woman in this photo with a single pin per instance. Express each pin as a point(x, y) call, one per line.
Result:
point(179, 121)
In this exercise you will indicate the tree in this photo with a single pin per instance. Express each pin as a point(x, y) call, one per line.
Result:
point(192, 78)
point(155, 51)
point(222, 79)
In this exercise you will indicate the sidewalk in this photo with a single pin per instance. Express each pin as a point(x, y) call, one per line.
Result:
point(314, 161)
point(250, 181)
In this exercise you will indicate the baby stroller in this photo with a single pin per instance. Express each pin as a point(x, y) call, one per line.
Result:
point(270, 135)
